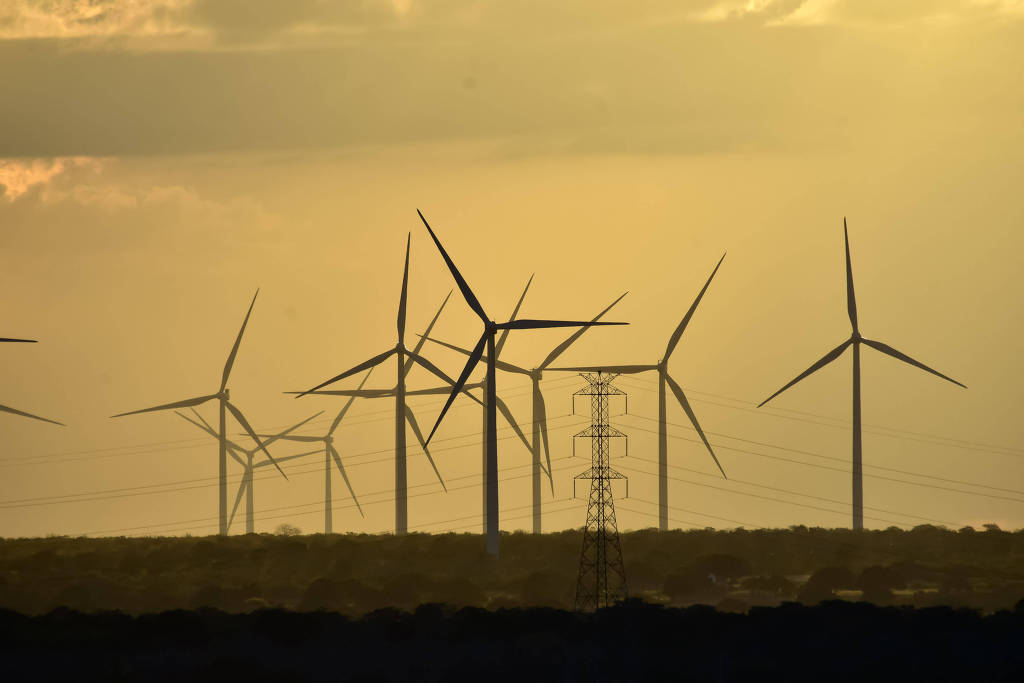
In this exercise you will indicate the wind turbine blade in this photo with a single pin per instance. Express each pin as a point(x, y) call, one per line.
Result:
point(365, 365)
point(515, 312)
point(540, 412)
point(238, 341)
point(527, 324)
point(851, 300)
point(681, 397)
point(300, 438)
point(168, 406)
point(470, 364)
point(348, 404)
point(436, 391)
point(264, 463)
point(252, 435)
point(825, 360)
point(422, 339)
point(232, 446)
point(286, 434)
point(358, 393)
point(24, 341)
point(344, 475)
point(206, 429)
point(405, 292)
point(689, 314)
point(411, 419)
point(512, 421)
point(500, 364)
point(611, 369)
point(561, 348)
point(439, 374)
point(889, 351)
point(207, 424)
point(467, 293)
point(245, 483)
point(15, 411)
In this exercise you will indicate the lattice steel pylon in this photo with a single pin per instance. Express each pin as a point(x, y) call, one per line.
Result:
point(602, 575)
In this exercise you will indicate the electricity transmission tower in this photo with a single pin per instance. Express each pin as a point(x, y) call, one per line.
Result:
point(602, 576)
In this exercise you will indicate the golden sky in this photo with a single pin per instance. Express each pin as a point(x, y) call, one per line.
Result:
point(161, 159)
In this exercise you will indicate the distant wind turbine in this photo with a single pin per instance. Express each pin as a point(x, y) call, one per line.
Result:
point(403, 414)
point(15, 411)
point(225, 406)
point(331, 453)
point(487, 340)
point(236, 451)
point(661, 367)
point(434, 391)
point(539, 417)
point(855, 341)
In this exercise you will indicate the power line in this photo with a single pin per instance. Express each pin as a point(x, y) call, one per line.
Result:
point(196, 442)
point(755, 495)
point(191, 484)
point(932, 439)
point(795, 493)
point(836, 469)
point(842, 460)
point(319, 508)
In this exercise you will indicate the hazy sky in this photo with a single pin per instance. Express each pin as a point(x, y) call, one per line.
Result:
point(161, 159)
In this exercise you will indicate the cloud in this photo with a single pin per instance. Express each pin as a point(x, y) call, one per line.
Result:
point(79, 211)
point(21, 19)
point(880, 13)
point(275, 24)
point(17, 176)
point(532, 77)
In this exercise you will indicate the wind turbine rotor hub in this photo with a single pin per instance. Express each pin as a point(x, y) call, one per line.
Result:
point(492, 326)
point(329, 439)
point(226, 394)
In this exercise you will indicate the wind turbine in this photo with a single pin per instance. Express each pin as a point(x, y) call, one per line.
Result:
point(855, 341)
point(403, 414)
point(235, 451)
point(539, 418)
point(15, 411)
point(409, 415)
point(661, 367)
point(331, 453)
point(487, 339)
point(225, 406)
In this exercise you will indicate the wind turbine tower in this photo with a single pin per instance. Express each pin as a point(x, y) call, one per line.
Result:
point(490, 331)
point(406, 359)
point(661, 367)
point(539, 418)
point(855, 341)
point(223, 397)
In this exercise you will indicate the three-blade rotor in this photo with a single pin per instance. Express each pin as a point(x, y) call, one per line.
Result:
point(855, 336)
point(490, 327)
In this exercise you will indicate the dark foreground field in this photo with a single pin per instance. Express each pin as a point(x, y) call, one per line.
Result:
point(353, 575)
point(793, 604)
point(835, 641)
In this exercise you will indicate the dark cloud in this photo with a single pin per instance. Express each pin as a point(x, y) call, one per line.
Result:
point(252, 19)
point(538, 79)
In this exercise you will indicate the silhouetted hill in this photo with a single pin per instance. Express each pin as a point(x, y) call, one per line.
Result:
point(356, 574)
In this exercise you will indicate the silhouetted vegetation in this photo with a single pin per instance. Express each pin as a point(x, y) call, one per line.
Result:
point(836, 641)
point(357, 574)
